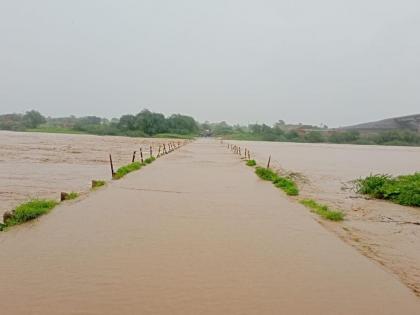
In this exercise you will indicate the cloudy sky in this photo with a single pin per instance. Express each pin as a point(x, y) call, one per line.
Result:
point(336, 62)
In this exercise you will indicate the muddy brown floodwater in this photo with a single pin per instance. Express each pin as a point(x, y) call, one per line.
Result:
point(381, 230)
point(196, 232)
point(41, 165)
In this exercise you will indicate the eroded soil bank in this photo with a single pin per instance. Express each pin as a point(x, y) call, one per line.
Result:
point(383, 231)
point(196, 232)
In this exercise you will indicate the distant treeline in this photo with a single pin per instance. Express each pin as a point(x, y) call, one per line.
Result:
point(145, 123)
point(311, 134)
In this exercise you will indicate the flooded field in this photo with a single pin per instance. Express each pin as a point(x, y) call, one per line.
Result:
point(383, 231)
point(41, 165)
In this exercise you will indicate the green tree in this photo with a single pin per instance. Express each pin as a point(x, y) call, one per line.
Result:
point(33, 119)
point(182, 124)
point(127, 122)
point(314, 137)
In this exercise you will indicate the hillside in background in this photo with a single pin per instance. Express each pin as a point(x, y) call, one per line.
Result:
point(411, 123)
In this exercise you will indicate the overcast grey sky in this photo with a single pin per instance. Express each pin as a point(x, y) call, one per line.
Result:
point(327, 61)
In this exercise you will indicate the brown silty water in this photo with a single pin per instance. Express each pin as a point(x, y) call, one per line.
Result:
point(41, 165)
point(381, 230)
point(196, 232)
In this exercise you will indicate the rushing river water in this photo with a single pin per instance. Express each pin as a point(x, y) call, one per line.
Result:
point(34, 165)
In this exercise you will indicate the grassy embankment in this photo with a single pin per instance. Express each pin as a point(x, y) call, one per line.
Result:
point(284, 183)
point(124, 170)
point(323, 210)
point(403, 190)
point(28, 211)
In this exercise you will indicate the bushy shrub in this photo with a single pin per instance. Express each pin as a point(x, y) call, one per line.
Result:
point(404, 190)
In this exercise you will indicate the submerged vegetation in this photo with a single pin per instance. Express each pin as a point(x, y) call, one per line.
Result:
point(323, 210)
point(403, 190)
point(28, 211)
point(284, 183)
point(97, 183)
point(72, 195)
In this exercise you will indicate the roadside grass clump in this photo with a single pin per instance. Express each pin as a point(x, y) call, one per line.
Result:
point(124, 170)
point(149, 160)
point(251, 163)
point(288, 186)
point(29, 211)
point(284, 183)
point(72, 195)
point(98, 183)
point(403, 190)
point(323, 210)
point(266, 173)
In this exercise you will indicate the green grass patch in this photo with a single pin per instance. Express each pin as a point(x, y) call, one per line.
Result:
point(284, 183)
point(29, 211)
point(323, 210)
point(124, 170)
point(149, 160)
point(98, 183)
point(403, 190)
point(251, 163)
point(266, 173)
point(288, 186)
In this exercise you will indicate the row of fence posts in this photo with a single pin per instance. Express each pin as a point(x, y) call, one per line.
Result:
point(163, 149)
point(237, 150)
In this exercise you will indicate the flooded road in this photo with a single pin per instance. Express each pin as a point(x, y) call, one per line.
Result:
point(41, 165)
point(383, 231)
point(196, 232)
